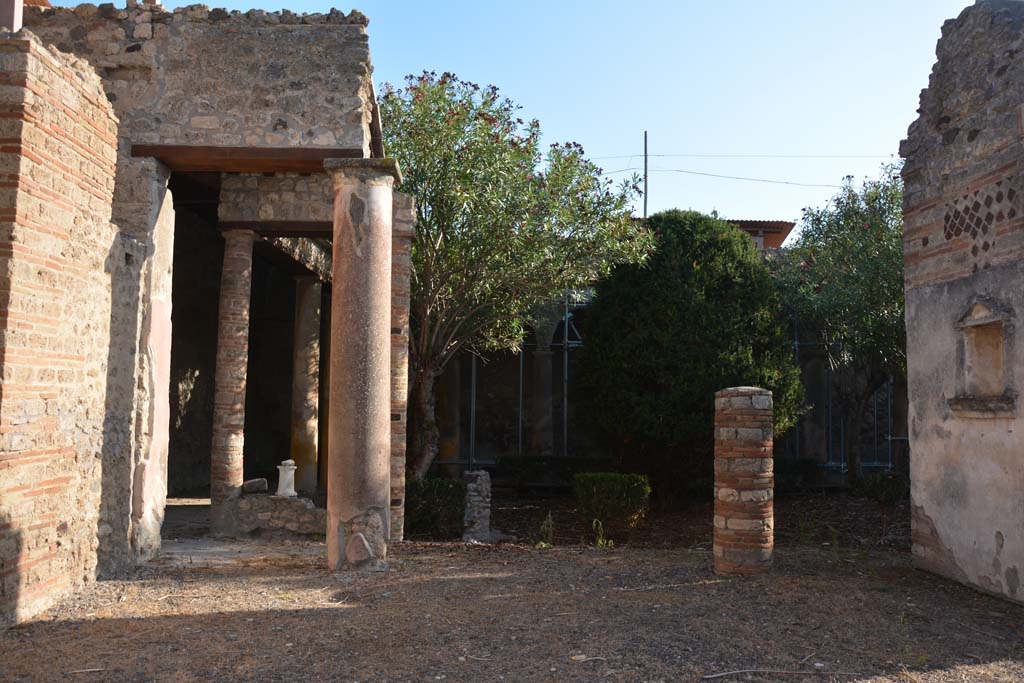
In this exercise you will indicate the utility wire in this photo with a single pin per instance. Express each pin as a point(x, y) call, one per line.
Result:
point(727, 177)
point(758, 156)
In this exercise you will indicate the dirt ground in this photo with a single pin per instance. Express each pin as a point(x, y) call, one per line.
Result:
point(266, 610)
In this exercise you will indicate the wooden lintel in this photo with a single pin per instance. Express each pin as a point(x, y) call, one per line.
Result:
point(245, 159)
point(318, 229)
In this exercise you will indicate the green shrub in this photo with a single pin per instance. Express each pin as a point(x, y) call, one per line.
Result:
point(617, 501)
point(701, 315)
point(435, 508)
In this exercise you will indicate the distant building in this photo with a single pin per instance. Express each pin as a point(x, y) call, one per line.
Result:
point(766, 234)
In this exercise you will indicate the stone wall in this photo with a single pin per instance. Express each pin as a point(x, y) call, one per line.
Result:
point(276, 514)
point(964, 253)
point(278, 197)
point(197, 76)
point(57, 252)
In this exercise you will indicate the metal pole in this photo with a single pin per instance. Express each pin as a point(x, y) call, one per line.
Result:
point(874, 428)
point(565, 378)
point(645, 174)
point(796, 359)
point(828, 412)
point(519, 414)
point(472, 409)
point(888, 421)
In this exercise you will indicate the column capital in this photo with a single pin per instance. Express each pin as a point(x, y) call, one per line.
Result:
point(363, 169)
point(238, 233)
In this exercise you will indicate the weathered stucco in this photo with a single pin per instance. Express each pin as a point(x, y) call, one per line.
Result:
point(964, 251)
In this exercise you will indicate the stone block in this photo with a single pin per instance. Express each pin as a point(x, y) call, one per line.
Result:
point(255, 486)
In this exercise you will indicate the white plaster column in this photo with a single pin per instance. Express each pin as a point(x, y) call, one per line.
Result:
point(306, 383)
point(359, 464)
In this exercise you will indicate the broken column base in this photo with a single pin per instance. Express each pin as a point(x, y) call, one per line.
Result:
point(477, 517)
point(364, 539)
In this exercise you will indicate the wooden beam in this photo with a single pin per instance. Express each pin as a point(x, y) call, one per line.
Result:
point(321, 229)
point(245, 159)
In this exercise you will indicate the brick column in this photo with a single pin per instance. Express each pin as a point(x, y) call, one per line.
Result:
point(359, 463)
point(744, 518)
point(229, 381)
point(306, 383)
point(402, 233)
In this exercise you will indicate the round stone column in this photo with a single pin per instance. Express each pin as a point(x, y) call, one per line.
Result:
point(744, 517)
point(229, 379)
point(306, 383)
point(359, 464)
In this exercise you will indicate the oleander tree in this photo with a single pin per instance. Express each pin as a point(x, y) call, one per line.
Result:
point(842, 279)
point(502, 226)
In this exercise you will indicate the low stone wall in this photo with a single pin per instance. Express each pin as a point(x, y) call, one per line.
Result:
point(265, 512)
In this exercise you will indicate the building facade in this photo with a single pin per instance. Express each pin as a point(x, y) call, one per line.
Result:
point(231, 147)
point(964, 272)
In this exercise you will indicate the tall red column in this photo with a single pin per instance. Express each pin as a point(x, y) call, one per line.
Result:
point(229, 380)
point(359, 463)
point(306, 383)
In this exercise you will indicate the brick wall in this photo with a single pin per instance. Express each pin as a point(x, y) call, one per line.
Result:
point(57, 158)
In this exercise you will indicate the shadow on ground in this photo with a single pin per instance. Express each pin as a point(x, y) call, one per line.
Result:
point(269, 611)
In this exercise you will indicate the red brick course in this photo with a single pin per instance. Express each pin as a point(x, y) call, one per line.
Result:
point(744, 483)
point(57, 160)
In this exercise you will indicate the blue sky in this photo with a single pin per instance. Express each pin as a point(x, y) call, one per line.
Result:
point(728, 77)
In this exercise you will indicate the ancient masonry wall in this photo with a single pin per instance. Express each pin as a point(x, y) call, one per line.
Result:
point(191, 77)
point(57, 163)
point(197, 76)
point(964, 269)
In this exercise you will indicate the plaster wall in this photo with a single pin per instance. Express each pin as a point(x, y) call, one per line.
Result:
point(964, 265)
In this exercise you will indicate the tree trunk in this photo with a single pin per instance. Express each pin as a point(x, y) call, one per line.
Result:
point(424, 439)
